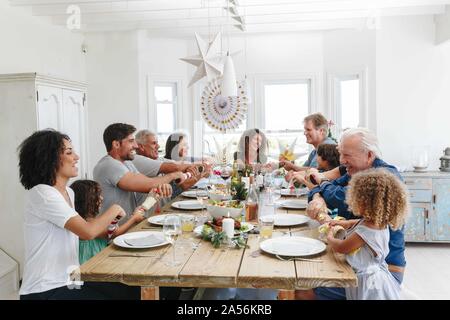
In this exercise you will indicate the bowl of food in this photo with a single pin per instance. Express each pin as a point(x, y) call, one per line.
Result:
point(219, 195)
point(218, 209)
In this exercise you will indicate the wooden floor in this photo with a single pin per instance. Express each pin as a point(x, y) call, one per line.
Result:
point(427, 274)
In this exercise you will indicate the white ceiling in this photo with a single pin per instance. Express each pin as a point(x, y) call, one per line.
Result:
point(183, 17)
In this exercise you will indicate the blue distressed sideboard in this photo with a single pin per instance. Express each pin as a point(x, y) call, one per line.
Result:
point(429, 218)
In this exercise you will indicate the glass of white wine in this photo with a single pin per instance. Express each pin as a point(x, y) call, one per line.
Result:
point(171, 230)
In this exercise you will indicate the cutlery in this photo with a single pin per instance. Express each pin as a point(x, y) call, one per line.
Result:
point(297, 259)
point(131, 255)
point(293, 230)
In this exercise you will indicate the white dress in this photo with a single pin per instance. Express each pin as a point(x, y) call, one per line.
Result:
point(375, 282)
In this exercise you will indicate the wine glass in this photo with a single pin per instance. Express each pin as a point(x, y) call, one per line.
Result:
point(276, 195)
point(268, 180)
point(171, 230)
point(202, 198)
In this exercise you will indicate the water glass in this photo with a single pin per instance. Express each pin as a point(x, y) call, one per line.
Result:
point(266, 224)
point(171, 230)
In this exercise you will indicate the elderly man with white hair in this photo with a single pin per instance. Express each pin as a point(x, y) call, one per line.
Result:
point(359, 151)
point(146, 162)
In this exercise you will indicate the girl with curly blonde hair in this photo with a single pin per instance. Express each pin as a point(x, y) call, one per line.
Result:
point(381, 200)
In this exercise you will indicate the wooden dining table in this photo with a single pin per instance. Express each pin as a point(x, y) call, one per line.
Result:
point(203, 266)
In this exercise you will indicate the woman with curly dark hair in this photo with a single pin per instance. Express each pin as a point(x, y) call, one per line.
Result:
point(51, 224)
point(88, 200)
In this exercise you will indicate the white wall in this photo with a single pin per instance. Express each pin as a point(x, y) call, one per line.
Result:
point(413, 96)
point(352, 52)
point(261, 57)
point(113, 85)
point(29, 44)
point(159, 60)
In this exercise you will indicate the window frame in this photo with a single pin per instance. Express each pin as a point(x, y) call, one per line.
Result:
point(154, 80)
point(255, 118)
point(174, 103)
point(282, 82)
point(314, 93)
point(334, 81)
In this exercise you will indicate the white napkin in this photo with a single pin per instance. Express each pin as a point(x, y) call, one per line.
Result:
point(149, 240)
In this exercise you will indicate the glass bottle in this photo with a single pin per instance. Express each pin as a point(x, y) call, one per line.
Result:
point(235, 177)
point(251, 207)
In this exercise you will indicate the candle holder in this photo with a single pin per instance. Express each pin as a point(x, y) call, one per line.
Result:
point(420, 158)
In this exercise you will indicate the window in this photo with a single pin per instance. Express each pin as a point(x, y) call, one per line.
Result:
point(166, 110)
point(286, 104)
point(347, 102)
point(214, 139)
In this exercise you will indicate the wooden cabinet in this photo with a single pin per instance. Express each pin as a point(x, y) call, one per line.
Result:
point(429, 218)
point(440, 222)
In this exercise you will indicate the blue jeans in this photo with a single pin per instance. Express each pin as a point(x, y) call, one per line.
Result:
point(339, 293)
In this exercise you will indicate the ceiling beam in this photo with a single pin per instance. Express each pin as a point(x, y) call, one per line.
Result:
point(442, 26)
point(255, 28)
point(181, 18)
point(192, 6)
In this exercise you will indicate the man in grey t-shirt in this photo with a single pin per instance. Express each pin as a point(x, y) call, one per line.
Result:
point(108, 173)
point(119, 179)
point(147, 166)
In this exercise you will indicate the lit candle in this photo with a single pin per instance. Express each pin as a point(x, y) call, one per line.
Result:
point(228, 226)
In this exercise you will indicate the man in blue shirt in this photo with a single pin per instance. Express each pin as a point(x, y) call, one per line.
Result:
point(358, 152)
point(316, 132)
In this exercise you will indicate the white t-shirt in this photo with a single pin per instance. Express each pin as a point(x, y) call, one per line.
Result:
point(51, 251)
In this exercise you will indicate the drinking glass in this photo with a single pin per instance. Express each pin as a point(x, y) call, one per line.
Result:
point(171, 230)
point(276, 196)
point(266, 223)
point(202, 198)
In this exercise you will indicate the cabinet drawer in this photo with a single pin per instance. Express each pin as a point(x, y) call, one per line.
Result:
point(420, 195)
point(418, 183)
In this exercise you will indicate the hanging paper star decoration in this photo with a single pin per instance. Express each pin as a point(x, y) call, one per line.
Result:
point(209, 61)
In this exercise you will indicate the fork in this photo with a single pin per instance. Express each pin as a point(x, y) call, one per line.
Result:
point(134, 255)
point(298, 259)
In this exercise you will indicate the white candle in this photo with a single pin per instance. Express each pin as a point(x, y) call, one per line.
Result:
point(228, 227)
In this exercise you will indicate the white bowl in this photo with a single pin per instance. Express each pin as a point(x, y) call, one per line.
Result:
point(219, 196)
point(218, 212)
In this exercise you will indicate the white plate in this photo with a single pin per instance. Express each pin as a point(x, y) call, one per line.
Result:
point(286, 220)
point(204, 182)
point(294, 204)
point(291, 192)
point(292, 246)
point(120, 240)
point(193, 193)
point(188, 205)
point(198, 229)
point(159, 219)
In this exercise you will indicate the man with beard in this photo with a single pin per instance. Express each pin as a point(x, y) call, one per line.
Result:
point(120, 181)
